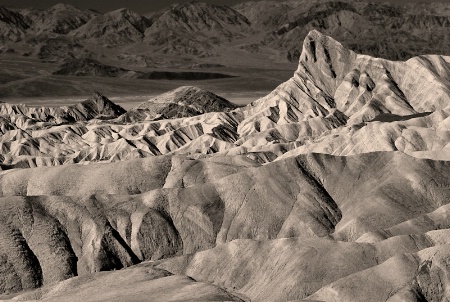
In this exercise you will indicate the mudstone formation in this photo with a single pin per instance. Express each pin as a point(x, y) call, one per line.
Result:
point(334, 187)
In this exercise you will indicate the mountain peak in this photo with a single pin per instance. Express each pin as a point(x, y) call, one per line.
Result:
point(97, 96)
point(119, 27)
point(190, 96)
point(185, 101)
point(102, 105)
point(324, 59)
point(195, 16)
point(316, 44)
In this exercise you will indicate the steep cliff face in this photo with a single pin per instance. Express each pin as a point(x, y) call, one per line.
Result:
point(363, 87)
point(337, 180)
point(333, 104)
point(336, 93)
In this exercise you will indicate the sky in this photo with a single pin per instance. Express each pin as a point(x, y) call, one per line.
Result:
point(139, 6)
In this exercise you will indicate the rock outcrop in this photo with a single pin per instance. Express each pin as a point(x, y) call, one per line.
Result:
point(195, 28)
point(337, 102)
point(59, 19)
point(95, 106)
point(185, 101)
point(333, 187)
point(272, 29)
point(12, 25)
point(116, 28)
point(109, 216)
point(387, 30)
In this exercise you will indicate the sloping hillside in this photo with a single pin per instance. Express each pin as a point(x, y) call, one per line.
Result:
point(337, 102)
point(271, 29)
point(185, 101)
point(333, 187)
point(109, 216)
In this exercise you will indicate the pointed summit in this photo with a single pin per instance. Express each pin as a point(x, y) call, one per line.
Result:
point(361, 86)
point(325, 58)
point(101, 105)
point(177, 30)
point(60, 18)
point(118, 27)
point(98, 97)
point(333, 87)
point(317, 45)
point(185, 101)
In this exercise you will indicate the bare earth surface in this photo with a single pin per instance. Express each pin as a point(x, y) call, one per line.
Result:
point(332, 186)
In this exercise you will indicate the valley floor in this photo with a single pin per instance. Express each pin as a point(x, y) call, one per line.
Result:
point(30, 81)
point(333, 187)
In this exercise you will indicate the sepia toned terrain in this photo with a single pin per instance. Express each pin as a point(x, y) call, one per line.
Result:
point(332, 186)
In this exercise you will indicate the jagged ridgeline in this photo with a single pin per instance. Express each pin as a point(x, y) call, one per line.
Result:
point(202, 30)
point(334, 187)
point(337, 102)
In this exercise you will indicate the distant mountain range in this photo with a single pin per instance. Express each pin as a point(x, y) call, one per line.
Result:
point(272, 28)
point(333, 103)
point(332, 185)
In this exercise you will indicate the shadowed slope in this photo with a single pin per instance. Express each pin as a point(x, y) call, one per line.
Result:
point(116, 28)
point(96, 105)
point(387, 30)
point(59, 19)
point(335, 103)
point(12, 25)
point(195, 29)
point(185, 101)
point(109, 216)
point(89, 67)
point(405, 268)
point(140, 283)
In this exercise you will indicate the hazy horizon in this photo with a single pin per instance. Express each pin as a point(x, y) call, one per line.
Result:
point(141, 6)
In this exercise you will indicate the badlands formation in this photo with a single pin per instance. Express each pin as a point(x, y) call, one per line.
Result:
point(337, 102)
point(334, 187)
